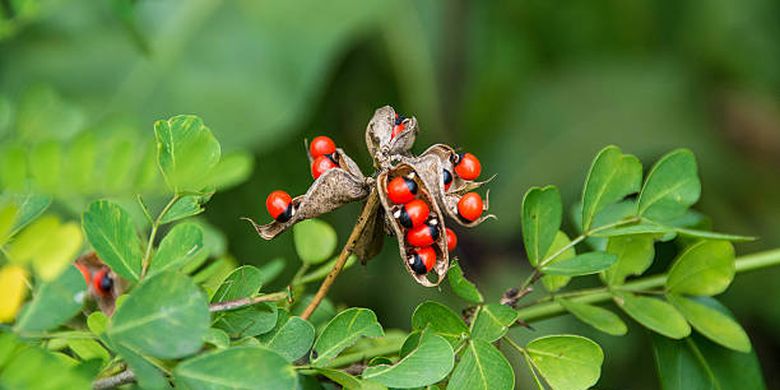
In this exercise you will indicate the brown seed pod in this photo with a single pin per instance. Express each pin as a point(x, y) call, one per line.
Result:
point(330, 191)
point(379, 136)
point(447, 155)
point(451, 207)
point(372, 238)
point(439, 270)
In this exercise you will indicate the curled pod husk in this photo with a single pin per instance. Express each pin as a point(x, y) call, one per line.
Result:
point(447, 157)
point(330, 191)
point(379, 136)
point(372, 237)
point(423, 193)
point(450, 206)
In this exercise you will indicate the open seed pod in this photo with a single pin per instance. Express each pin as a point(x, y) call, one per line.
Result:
point(330, 191)
point(379, 136)
point(451, 208)
point(448, 156)
point(439, 270)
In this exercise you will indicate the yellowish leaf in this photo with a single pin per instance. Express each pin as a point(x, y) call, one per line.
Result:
point(12, 291)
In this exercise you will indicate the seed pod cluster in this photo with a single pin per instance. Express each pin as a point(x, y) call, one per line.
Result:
point(415, 195)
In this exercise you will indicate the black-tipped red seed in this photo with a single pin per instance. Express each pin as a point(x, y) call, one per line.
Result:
point(321, 146)
point(470, 207)
point(279, 206)
point(321, 165)
point(422, 260)
point(412, 214)
point(468, 166)
point(423, 235)
point(102, 283)
point(401, 190)
point(447, 179)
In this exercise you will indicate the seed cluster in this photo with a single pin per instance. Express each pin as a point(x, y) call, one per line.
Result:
point(414, 195)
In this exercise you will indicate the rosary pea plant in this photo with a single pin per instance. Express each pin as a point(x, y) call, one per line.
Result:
point(106, 305)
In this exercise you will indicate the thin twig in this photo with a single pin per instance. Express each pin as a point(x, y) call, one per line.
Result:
point(156, 225)
point(365, 216)
point(110, 382)
point(248, 301)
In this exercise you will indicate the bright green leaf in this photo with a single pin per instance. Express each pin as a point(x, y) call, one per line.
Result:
point(671, 187)
point(292, 337)
point(231, 170)
point(186, 206)
point(584, 264)
point(482, 367)
point(566, 362)
point(712, 323)
point(461, 286)
point(31, 206)
point(217, 338)
point(187, 152)
point(166, 316)
point(7, 219)
point(236, 368)
point(97, 322)
point(54, 303)
point(704, 268)
point(87, 349)
point(492, 322)
point(46, 166)
point(428, 363)
point(244, 281)
point(634, 256)
point(348, 381)
point(542, 212)
point(315, 240)
point(342, 331)
point(439, 319)
point(147, 373)
point(26, 366)
point(110, 230)
point(654, 314)
point(595, 316)
point(612, 176)
point(554, 283)
point(13, 168)
point(182, 245)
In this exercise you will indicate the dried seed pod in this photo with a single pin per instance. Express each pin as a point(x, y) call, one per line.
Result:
point(447, 157)
point(381, 143)
point(451, 207)
point(330, 191)
point(372, 238)
point(424, 194)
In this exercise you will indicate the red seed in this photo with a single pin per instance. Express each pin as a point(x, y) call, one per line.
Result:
point(401, 190)
point(468, 167)
point(422, 260)
point(452, 240)
point(102, 283)
point(423, 235)
point(279, 205)
point(413, 214)
point(470, 206)
point(321, 165)
point(321, 146)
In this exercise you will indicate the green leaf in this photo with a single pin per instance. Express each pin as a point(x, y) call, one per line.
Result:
point(50, 256)
point(315, 240)
point(146, 371)
point(642, 228)
point(461, 286)
point(634, 255)
point(87, 349)
point(244, 281)
point(584, 264)
point(13, 167)
point(187, 152)
point(428, 363)
point(249, 321)
point(30, 207)
point(111, 232)
point(236, 368)
point(595, 316)
point(322, 314)
point(654, 314)
point(217, 338)
point(698, 364)
point(712, 322)
point(292, 337)
point(441, 320)
point(692, 233)
point(671, 187)
point(566, 361)
point(348, 381)
point(7, 219)
point(483, 367)
point(342, 331)
point(554, 283)
point(542, 212)
point(612, 176)
point(46, 166)
point(704, 268)
point(182, 245)
point(492, 322)
point(186, 206)
point(97, 322)
point(26, 366)
point(166, 316)
point(54, 303)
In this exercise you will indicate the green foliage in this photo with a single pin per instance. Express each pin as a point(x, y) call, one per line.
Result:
point(54, 303)
point(342, 331)
point(428, 363)
point(441, 320)
point(187, 152)
point(542, 212)
point(462, 286)
point(597, 317)
point(671, 187)
point(237, 367)
point(566, 362)
point(705, 268)
point(492, 322)
point(111, 232)
point(482, 366)
point(612, 177)
point(292, 337)
point(655, 314)
point(315, 241)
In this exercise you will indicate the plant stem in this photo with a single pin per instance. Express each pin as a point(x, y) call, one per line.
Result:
point(365, 216)
point(153, 234)
point(347, 359)
point(123, 378)
point(248, 301)
point(550, 309)
point(69, 335)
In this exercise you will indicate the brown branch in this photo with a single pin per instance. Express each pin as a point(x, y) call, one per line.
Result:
point(123, 378)
point(365, 216)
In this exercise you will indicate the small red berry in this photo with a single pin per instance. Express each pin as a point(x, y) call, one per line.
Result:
point(468, 166)
point(423, 235)
point(398, 126)
point(422, 260)
point(447, 178)
point(452, 240)
point(470, 206)
point(412, 214)
point(321, 165)
point(401, 190)
point(321, 146)
point(279, 206)
point(84, 272)
point(102, 283)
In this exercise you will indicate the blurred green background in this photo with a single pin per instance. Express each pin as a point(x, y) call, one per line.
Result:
point(534, 88)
